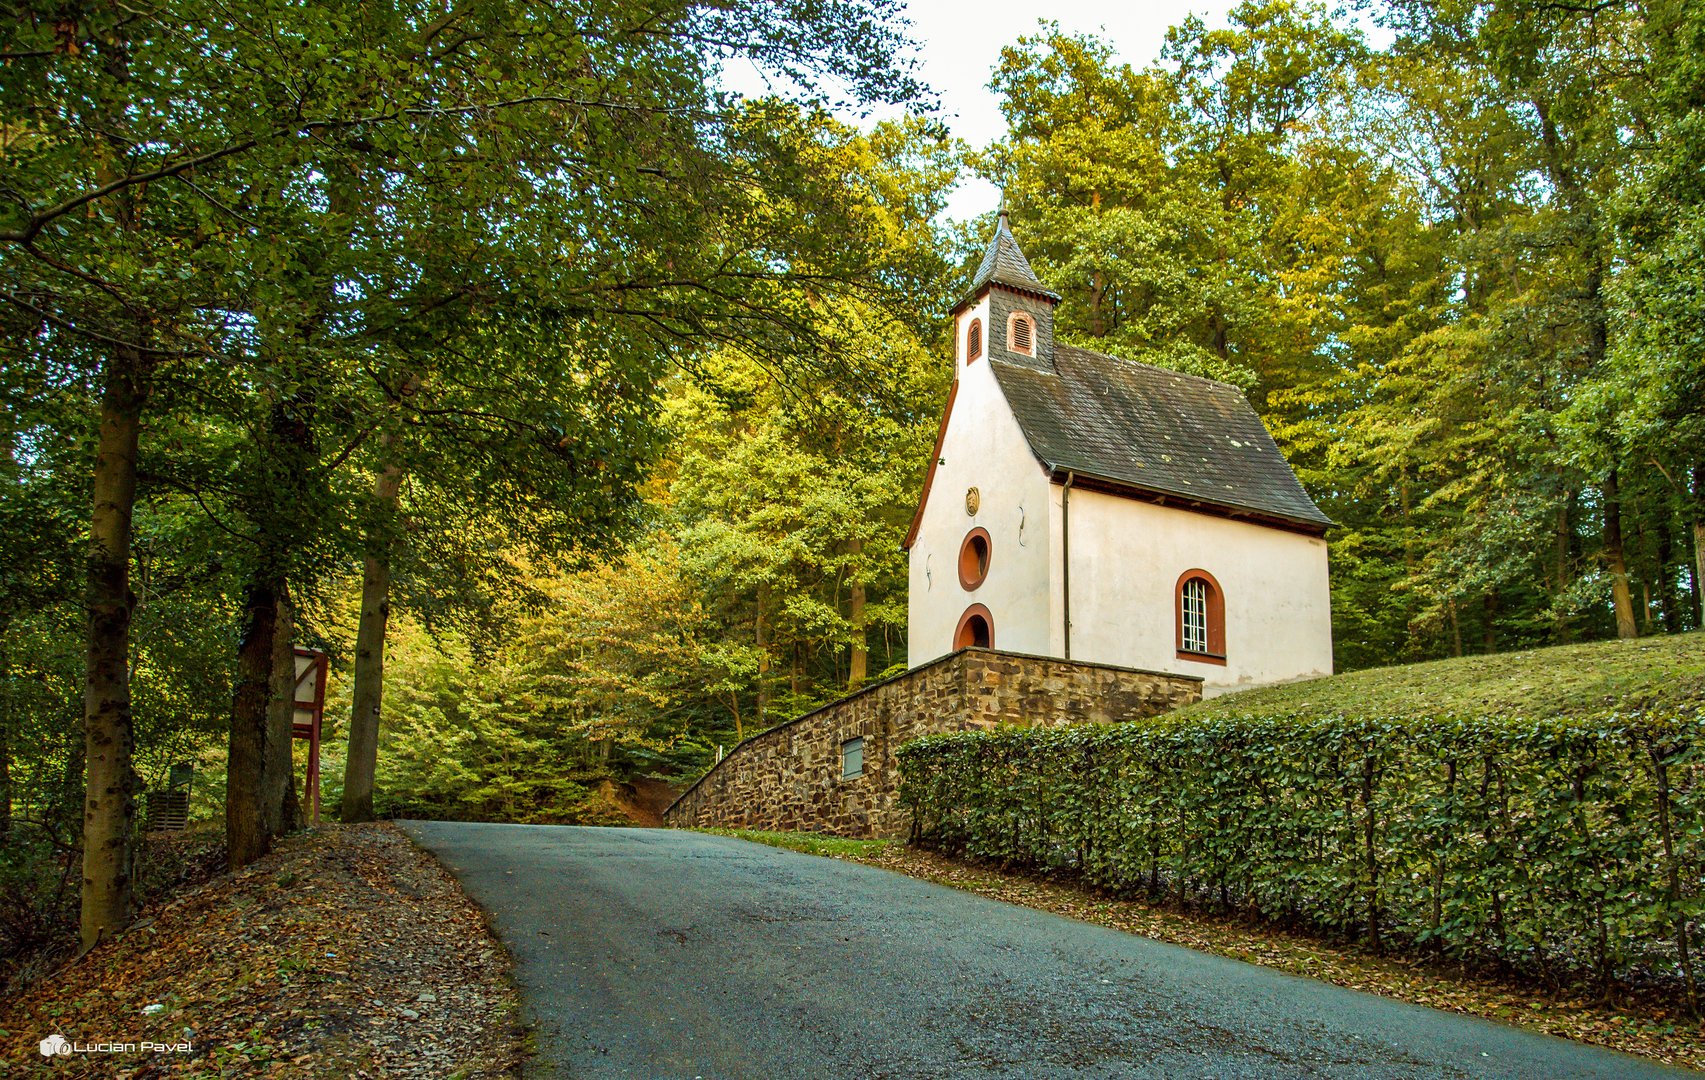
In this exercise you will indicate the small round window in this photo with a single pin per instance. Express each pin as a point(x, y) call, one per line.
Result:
point(974, 558)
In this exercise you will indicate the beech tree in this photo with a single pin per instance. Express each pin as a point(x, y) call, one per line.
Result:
point(1451, 274)
point(187, 188)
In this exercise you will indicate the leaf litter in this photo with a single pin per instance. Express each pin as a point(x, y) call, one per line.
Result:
point(347, 952)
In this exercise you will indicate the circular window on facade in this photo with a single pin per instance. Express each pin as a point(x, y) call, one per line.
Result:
point(974, 558)
point(976, 629)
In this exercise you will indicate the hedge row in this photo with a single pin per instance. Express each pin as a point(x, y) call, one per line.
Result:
point(1567, 850)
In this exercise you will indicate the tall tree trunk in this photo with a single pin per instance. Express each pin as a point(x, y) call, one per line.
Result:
point(109, 798)
point(247, 832)
point(859, 667)
point(1669, 605)
point(363, 759)
point(1699, 572)
point(282, 808)
point(1405, 510)
point(762, 640)
point(5, 773)
point(252, 813)
point(109, 737)
point(1489, 629)
point(1698, 515)
point(1097, 320)
point(9, 463)
point(1565, 536)
point(1621, 595)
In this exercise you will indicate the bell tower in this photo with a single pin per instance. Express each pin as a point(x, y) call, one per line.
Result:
point(1008, 313)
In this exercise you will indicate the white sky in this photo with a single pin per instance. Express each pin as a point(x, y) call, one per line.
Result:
point(962, 42)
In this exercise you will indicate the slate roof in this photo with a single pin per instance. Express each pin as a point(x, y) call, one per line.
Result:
point(1137, 426)
point(1004, 264)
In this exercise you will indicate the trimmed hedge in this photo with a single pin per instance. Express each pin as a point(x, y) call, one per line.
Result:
point(1565, 849)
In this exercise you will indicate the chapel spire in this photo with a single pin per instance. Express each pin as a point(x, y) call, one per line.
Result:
point(1007, 313)
point(1004, 264)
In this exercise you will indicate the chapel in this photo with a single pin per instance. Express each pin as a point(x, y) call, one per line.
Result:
point(1091, 508)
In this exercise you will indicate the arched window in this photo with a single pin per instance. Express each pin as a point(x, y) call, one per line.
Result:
point(1021, 334)
point(974, 340)
point(976, 629)
point(1201, 618)
point(974, 559)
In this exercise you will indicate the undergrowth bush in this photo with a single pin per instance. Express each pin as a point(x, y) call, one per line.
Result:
point(39, 876)
point(1570, 850)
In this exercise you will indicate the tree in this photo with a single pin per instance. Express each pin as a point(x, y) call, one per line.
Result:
point(1655, 378)
point(1412, 260)
point(167, 168)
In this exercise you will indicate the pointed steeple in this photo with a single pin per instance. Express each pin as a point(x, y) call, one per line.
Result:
point(1004, 264)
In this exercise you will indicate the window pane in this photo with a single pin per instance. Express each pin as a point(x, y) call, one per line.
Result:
point(852, 757)
point(1195, 602)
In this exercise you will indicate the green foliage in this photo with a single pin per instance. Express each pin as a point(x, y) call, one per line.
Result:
point(502, 732)
point(762, 562)
point(1457, 277)
point(767, 506)
point(322, 246)
point(792, 506)
point(1565, 849)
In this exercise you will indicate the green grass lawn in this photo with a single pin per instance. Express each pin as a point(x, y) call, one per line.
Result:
point(810, 843)
point(1656, 673)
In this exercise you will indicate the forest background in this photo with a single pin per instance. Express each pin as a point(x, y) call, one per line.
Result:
point(613, 449)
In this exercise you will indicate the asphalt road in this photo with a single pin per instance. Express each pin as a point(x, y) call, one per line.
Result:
point(659, 954)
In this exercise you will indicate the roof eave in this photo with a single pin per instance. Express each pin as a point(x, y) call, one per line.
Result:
point(976, 294)
point(1059, 474)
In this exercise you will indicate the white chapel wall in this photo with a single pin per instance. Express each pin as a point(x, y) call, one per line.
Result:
point(1126, 560)
point(983, 448)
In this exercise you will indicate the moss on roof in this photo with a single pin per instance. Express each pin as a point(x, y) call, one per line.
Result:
point(1653, 674)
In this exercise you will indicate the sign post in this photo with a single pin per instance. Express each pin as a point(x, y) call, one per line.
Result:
point(310, 700)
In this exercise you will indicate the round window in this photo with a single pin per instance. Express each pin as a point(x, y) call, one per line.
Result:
point(974, 558)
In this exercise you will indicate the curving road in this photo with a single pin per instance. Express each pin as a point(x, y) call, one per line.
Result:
point(657, 954)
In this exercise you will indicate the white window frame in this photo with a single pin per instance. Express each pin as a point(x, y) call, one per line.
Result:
point(1194, 601)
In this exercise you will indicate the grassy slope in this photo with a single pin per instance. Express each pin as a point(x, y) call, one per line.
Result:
point(1567, 680)
point(838, 847)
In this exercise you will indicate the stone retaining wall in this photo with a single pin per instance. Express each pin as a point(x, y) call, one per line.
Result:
point(789, 777)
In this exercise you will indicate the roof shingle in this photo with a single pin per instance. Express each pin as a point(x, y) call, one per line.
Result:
point(1160, 431)
point(1004, 264)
